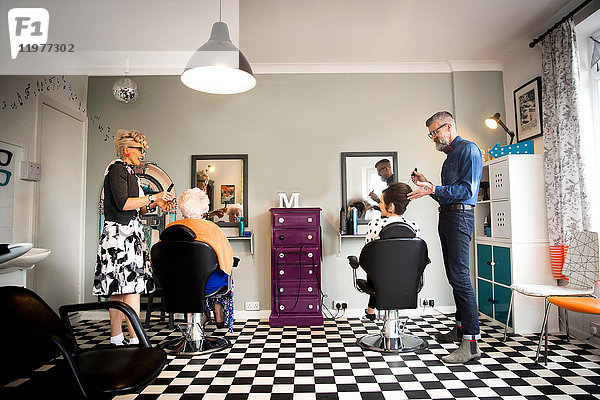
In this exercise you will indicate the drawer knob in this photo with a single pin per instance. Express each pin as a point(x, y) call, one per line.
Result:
point(282, 307)
point(310, 289)
point(281, 220)
point(281, 237)
point(310, 306)
point(280, 290)
point(310, 271)
point(310, 255)
point(309, 237)
point(281, 255)
point(281, 272)
point(309, 219)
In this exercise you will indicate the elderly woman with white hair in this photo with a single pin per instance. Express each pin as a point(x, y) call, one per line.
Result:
point(193, 204)
point(122, 266)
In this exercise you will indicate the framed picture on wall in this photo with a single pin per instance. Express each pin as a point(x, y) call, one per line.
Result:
point(528, 110)
point(227, 194)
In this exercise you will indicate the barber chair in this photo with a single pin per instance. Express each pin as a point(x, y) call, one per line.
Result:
point(183, 265)
point(395, 264)
point(32, 335)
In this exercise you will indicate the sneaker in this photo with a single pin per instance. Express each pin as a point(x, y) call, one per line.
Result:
point(124, 342)
point(454, 335)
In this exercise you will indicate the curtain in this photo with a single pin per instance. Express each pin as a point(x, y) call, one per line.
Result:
point(567, 202)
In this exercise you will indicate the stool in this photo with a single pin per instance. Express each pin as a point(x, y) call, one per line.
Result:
point(587, 305)
point(150, 308)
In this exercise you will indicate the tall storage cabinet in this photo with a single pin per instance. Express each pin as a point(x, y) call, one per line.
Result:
point(295, 267)
point(516, 250)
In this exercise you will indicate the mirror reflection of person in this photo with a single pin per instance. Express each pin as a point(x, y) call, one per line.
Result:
point(385, 172)
point(394, 200)
point(204, 182)
point(234, 212)
point(193, 204)
point(123, 267)
point(363, 208)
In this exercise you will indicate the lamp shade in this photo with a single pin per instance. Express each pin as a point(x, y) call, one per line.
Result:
point(492, 122)
point(218, 66)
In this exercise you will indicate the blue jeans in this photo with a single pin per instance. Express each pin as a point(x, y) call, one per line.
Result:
point(455, 228)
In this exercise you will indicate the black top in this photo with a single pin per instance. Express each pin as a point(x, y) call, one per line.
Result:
point(119, 185)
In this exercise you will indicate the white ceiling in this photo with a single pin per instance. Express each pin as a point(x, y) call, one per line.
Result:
point(366, 31)
point(388, 31)
point(159, 36)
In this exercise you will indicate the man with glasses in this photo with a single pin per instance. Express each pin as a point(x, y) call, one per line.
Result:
point(384, 170)
point(457, 196)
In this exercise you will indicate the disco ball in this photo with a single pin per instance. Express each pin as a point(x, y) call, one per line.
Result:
point(125, 90)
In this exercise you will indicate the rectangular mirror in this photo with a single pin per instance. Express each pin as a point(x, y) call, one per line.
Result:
point(360, 177)
point(224, 177)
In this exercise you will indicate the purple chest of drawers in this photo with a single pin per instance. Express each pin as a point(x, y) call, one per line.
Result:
point(295, 267)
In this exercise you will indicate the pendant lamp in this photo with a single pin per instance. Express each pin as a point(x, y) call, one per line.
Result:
point(218, 66)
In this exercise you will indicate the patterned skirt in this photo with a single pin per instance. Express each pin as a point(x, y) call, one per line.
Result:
point(122, 264)
point(226, 303)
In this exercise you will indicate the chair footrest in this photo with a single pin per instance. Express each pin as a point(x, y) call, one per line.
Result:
point(401, 344)
point(206, 345)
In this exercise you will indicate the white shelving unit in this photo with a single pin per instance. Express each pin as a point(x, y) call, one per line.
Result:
point(517, 250)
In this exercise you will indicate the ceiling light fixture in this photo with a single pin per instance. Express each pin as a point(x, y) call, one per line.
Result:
point(218, 66)
point(494, 121)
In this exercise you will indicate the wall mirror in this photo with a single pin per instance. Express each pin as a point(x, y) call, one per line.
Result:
point(224, 177)
point(360, 177)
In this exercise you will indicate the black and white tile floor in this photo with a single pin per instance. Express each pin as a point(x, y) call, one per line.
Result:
point(326, 363)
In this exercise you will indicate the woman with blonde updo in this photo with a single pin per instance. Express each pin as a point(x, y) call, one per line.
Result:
point(122, 265)
point(193, 204)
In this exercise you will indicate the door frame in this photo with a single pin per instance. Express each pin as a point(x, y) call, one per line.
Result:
point(43, 99)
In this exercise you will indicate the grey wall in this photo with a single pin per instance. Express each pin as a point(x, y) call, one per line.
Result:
point(293, 128)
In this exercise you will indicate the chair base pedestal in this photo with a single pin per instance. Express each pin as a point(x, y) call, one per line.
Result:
point(195, 341)
point(392, 338)
point(401, 344)
point(207, 345)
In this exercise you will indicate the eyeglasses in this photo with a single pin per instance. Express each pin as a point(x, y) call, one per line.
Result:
point(7, 175)
point(9, 155)
point(143, 150)
point(381, 169)
point(434, 132)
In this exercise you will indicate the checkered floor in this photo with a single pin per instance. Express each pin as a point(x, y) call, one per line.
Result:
point(326, 363)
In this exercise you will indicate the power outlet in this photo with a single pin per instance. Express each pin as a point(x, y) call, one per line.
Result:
point(252, 306)
point(427, 301)
point(595, 328)
point(340, 302)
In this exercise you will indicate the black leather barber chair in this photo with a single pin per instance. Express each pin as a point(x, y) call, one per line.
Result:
point(183, 266)
point(395, 264)
point(32, 335)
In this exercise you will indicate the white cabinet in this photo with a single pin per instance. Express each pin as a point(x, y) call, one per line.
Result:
point(518, 241)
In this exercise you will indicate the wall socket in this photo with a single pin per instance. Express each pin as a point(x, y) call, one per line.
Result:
point(427, 301)
point(595, 328)
point(252, 306)
point(334, 304)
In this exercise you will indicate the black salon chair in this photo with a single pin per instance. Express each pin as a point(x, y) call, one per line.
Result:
point(395, 264)
point(32, 335)
point(183, 266)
